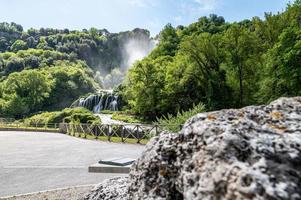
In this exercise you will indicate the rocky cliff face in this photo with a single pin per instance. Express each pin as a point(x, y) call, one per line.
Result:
point(250, 153)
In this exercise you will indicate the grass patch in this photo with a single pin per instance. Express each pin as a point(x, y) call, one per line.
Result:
point(109, 112)
point(128, 118)
point(174, 123)
point(106, 138)
point(53, 127)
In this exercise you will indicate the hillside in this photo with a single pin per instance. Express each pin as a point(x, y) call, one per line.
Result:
point(219, 64)
point(47, 69)
point(210, 62)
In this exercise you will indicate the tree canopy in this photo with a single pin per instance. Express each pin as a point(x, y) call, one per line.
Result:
point(210, 62)
point(219, 64)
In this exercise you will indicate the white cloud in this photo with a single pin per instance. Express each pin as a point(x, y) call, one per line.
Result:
point(178, 19)
point(197, 8)
point(143, 3)
point(206, 5)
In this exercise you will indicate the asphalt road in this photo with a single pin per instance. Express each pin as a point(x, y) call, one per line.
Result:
point(31, 161)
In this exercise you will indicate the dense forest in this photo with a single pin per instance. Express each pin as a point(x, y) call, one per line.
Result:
point(219, 64)
point(210, 62)
point(47, 69)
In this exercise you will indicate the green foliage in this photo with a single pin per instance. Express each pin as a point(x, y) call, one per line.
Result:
point(165, 84)
point(52, 88)
point(203, 52)
point(243, 50)
point(68, 115)
point(64, 59)
point(96, 47)
point(169, 41)
point(282, 73)
point(127, 118)
point(31, 59)
point(19, 45)
point(145, 83)
point(109, 112)
point(222, 65)
point(212, 24)
point(174, 123)
point(70, 81)
point(24, 92)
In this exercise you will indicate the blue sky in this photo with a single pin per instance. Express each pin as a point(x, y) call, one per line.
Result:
point(121, 15)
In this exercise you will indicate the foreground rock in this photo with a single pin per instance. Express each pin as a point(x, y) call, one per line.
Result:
point(115, 188)
point(251, 153)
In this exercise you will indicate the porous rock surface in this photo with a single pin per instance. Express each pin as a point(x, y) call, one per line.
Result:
point(249, 153)
point(114, 188)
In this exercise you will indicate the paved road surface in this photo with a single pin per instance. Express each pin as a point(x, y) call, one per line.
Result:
point(31, 161)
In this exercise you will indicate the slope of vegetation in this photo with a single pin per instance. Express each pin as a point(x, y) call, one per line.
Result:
point(32, 90)
point(210, 62)
point(219, 64)
point(47, 69)
point(73, 115)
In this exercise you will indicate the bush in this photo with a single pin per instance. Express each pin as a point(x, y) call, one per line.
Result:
point(127, 118)
point(68, 115)
point(174, 123)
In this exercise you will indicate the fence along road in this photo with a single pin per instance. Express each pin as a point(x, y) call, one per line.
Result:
point(124, 132)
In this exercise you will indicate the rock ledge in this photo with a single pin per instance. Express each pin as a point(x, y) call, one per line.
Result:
point(248, 153)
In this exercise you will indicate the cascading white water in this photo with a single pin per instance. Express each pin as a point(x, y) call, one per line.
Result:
point(105, 100)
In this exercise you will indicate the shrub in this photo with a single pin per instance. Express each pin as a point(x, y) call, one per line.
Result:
point(68, 115)
point(174, 123)
point(127, 118)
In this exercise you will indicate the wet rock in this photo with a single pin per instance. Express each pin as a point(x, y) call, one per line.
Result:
point(249, 153)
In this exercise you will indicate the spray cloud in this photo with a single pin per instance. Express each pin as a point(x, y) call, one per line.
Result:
point(133, 49)
point(136, 49)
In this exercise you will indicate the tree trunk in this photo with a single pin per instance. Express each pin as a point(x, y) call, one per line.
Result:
point(240, 86)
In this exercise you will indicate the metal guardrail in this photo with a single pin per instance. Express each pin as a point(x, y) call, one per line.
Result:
point(110, 132)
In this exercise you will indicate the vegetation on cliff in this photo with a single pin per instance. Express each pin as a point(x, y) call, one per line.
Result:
point(210, 62)
point(47, 69)
point(220, 64)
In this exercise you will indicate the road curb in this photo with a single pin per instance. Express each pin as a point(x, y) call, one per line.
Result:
point(45, 191)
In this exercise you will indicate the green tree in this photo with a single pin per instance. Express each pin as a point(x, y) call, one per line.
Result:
point(282, 75)
point(19, 45)
point(205, 52)
point(243, 57)
point(27, 89)
point(169, 42)
point(145, 87)
point(14, 64)
point(69, 83)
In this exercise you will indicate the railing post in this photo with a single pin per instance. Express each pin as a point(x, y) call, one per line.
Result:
point(109, 132)
point(138, 134)
point(95, 132)
point(122, 133)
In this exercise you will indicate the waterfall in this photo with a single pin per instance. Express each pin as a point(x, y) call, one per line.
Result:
point(104, 100)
